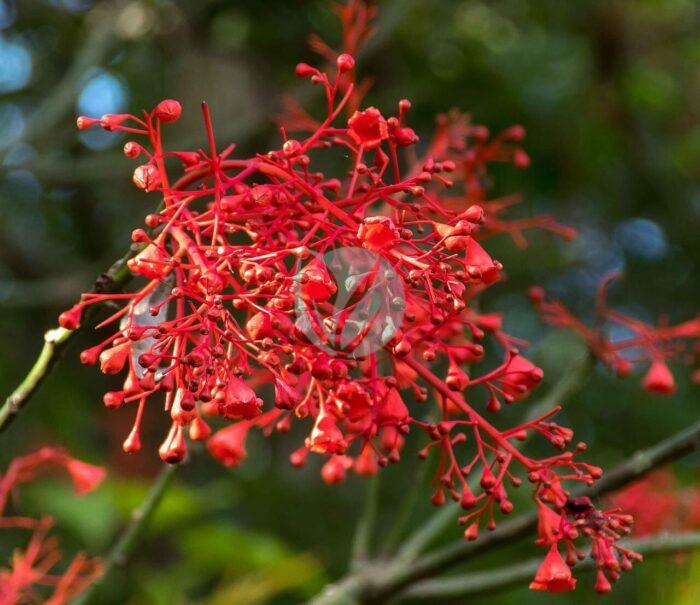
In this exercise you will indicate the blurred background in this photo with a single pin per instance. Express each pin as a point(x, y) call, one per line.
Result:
point(609, 91)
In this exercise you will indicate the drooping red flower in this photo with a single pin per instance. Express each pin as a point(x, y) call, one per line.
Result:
point(553, 575)
point(86, 477)
point(659, 379)
point(228, 444)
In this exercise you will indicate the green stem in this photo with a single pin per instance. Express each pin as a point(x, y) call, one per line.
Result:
point(505, 577)
point(124, 547)
point(56, 340)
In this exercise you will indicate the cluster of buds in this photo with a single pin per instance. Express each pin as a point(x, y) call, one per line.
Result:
point(563, 524)
point(646, 344)
point(238, 245)
point(32, 569)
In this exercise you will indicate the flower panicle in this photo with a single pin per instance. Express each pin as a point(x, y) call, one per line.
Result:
point(235, 248)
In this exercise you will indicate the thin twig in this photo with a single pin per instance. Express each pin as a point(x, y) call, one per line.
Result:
point(124, 547)
point(506, 577)
point(55, 341)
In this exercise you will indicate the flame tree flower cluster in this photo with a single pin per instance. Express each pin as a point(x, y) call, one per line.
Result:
point(33, 574)
point(644, 343)
point(236, 242)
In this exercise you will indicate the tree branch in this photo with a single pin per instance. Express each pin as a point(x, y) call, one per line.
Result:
point(505, 577)
point(636, 466)
point(55, 341)
point(124, 547)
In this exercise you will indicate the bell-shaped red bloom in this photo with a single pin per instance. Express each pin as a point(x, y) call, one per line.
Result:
point(334, 471)
point(112, 360)
point(228, 445)
point(393, 411)
point(553, 575)
point(368, 127)
point(548, 523)
point(352, 400)
point(480, 265)
point(659, 379)
point(70, 319)
point(86, 477)
point(151, 262)
point(326, 437)
point(520, 377)
point(237, 401)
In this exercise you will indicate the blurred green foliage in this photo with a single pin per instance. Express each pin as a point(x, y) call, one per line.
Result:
point(609, 92)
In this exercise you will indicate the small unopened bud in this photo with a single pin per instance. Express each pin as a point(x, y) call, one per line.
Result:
point(291, 147)
point(83, 122)
point(146, 177)
point(304, 70)
point(132, 149)
point(345, 62)
point(168, 110)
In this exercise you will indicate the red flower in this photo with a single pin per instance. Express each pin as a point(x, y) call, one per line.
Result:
point(228, 444)
point(368, 127)
point(326, 437)
point(152, 262)
point(378, 232)
point(479, 264)
point(659, 379)
point(317, 284)
point(553, 575)
point(520, 377)
point(334, 471)
point(548, 523)
point(86, 477)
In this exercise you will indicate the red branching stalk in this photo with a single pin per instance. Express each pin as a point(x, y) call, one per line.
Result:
point(32, 570)
point(655, 345)
point(237, 243)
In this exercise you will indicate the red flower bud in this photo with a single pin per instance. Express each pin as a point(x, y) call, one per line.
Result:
point(345, 62)
point(147, 177)
point(70, 319)
point(86, 477)
point(132, 149)
point(168, 110)
point(83, 122)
